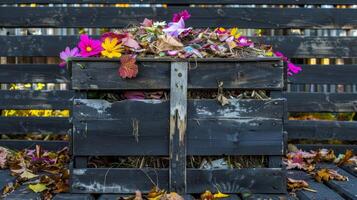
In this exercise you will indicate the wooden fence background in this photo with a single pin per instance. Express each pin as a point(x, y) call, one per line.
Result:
point(319, 34)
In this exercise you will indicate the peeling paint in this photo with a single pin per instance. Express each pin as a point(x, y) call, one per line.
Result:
point(99, 105)
point(79, 171)
point(99, 187)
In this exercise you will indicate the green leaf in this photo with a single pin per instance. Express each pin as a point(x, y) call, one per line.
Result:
point(39, 187)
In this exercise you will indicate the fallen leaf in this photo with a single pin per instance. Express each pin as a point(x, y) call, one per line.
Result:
point(346, 158)
point(207, 195)
point(220, 195)
point(155, 194)
point(329, 174)
point(39, 187)
point(172, 196)
point(294, 184)
point(222, 99)
point(28, 175)
point(138, 195)
point(3, 157)
point(128, 67)
point(168, 43)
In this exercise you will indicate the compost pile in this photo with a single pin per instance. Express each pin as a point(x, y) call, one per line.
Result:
point(170, 40)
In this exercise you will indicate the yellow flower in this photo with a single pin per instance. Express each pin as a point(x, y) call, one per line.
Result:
point(235, 33)
point(111, 48)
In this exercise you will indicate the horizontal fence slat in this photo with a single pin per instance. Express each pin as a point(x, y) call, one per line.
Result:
point(231, 130)
point(325, 74)
point(338, 148)
point(321, 130)
point(32, 73)
point(292, 46)
point(41, 125)
point(29, 99)
point(31, 144)
point(255, 74)
point(175, 2)
point(321, 102)
point(202, 17)
point(257, 180)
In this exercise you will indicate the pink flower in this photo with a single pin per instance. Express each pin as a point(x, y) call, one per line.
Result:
point(244, 42)
point(281, 55)
point(176, 28)
point(89, 47)
point(185, 15)
point(67, 53)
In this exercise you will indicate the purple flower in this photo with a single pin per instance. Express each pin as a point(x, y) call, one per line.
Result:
point(281, 55)
point(244, 42)
point(185, 15)
point(176, 28)
point(67, 53)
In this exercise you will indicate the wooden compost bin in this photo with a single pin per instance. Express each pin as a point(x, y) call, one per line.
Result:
point(178, 127)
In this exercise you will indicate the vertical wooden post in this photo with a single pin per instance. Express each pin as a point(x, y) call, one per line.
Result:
point(178, 122)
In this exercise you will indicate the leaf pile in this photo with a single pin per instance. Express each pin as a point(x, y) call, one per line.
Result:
point(43, 171)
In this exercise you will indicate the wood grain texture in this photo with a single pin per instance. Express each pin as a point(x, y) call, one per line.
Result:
point(102, 75)
point(32, 73)
point(31, 144)
point(292, 46)
point(29, 99)
point(178, 127)
point(203, 17)
point(241, 125)
point(257, 180)
point(321, 130)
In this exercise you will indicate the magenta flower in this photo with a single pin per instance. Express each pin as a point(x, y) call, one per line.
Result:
point(281, 55)
point(89, 47)
point(244, 42)
point(147, 23)
point(134, 95)
point(185, 15)
point(67, 53)
point(293, 69)
point(176, 28)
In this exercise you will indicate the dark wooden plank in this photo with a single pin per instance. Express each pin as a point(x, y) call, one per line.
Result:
point(238, 125)
point(185, 2)
point(292, 46)
point(32, 73)
point(321, 102)
point(338, 148)
point(323, 192)
point(22, 193)
point(268, 197)
point(155, 75)
point(178, 127)
point(24, 99)
point(31, 144)
point(5, 177)
point(68, 196)
point(43, 125)
point(347, 189)
point(202, 17)
point(197, 109)
point(325, 74)
point(258, 180)
point(350, 168)
point(321, 130)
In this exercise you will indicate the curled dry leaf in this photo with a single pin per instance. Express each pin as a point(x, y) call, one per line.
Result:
point(171, 196)
point(348, 155)
point(207, 195)
point(3, 157)
point(138, 195)
point(294, 184)
point(329, 174)
point(168, 43)
point(128, 67)
point(155, 194)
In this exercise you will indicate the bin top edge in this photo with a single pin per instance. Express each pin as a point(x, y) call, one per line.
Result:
point(148, 59)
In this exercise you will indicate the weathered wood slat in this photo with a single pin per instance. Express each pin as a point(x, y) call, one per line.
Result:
point(101, 75)
point(325, 74)
point(203, 17)
point(268, 197)
point(198, 109)
point(321, 130)
point(31, 144)
point(256, 180)
point(212, 129)
point(323, 192)
point(29, 99)
point(185, 2)
point(292, 46)
point(42, 125)
point(338, 148)
point(350, 168)
point(321, 102)
point(347, 189)
point(31, 73)
point(178, 127)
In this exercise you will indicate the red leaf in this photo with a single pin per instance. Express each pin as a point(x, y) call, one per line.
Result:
point(128, 67)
